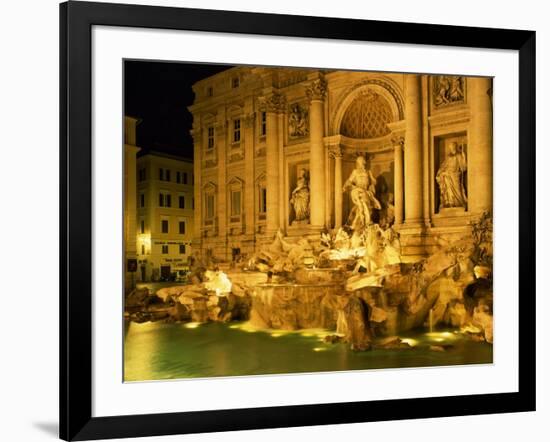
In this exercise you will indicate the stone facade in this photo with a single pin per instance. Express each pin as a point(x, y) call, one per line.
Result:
point(261, 133)
point(165, 201)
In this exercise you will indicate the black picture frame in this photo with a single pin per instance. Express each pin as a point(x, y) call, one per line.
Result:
point(76, 21)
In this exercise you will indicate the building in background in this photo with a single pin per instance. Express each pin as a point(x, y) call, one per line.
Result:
point(273, 148)
point(130, 250)
point(165, 203)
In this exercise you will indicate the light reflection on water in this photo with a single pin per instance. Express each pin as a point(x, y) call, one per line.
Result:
point(155, 351)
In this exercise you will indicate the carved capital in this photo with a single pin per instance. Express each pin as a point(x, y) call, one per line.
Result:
point(221, 127)
point(317, 89)
point(249, 120)
point(196, 134)
point(275, 102)
point(336, 151)
point(398, 140)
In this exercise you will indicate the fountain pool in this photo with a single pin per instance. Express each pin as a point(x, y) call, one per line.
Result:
point(160, 351)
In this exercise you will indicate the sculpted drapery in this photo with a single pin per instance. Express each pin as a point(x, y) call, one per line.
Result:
point(450, 178)
point(300, 197)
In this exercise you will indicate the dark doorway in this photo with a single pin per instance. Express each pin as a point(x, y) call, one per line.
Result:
point(165, 272)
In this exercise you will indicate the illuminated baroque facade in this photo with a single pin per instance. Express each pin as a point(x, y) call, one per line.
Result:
point(276, 148)
point(165, 204)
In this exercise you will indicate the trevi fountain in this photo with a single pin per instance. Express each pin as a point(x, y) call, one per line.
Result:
point(343, 299)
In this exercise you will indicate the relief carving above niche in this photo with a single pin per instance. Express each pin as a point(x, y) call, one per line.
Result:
point(448, 89)
point(298, 121)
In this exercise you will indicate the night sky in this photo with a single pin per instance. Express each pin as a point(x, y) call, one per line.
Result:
point(158, 93)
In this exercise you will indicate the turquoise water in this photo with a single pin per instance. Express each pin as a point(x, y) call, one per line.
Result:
point(155, 350)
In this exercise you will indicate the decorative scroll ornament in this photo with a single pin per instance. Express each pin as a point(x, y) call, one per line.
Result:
point(275, 102)
point(448, 89)
point(367, 117)
point(298, 121)
point(317, 89)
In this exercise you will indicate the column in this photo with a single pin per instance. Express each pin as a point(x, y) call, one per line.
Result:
point(283, 203)
point(426, 185)
point(316, 92)
point(197, 160)
point(249, 212)
point(413, 151)
point(398, 180)
point(337, 153)
point(272, 105)
point(221, 197)
point(480, 148)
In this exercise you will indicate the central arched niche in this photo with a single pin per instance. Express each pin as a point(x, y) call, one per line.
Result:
point(364, 117)
point(367, 116)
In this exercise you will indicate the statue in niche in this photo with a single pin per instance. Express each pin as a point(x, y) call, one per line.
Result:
point(362, 186)
point(300, 197)
point(298, 121)
point(450, 178)
point(448, 89)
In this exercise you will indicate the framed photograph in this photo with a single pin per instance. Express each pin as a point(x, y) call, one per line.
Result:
point(273, 221)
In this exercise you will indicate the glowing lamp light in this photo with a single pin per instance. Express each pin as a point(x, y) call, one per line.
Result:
point(145, 240)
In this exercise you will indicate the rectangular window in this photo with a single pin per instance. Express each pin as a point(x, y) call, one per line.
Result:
point(142, 249)
point(236, 203)
point(168, 200)
point(178, 177)
point(161, 200)
point(182, 249)
point(181, 202)
point(263, 124)
point(184, 177)
point(235, 82)
point(182, 227)
point(141, 200)
point(142, 226)
point(141, 175)
point(263, 200)
point(211, 137)
point(161, 174)
point(209, 206)
point(164, 226)
point(165, 249)
point(236, 130)
point(167, 174)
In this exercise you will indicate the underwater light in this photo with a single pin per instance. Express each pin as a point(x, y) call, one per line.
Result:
point(412, 342)
point(192, 324)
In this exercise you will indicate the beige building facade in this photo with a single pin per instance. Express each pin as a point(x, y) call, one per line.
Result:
point(165, 221)
point(130, 246)
point(274, 148)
